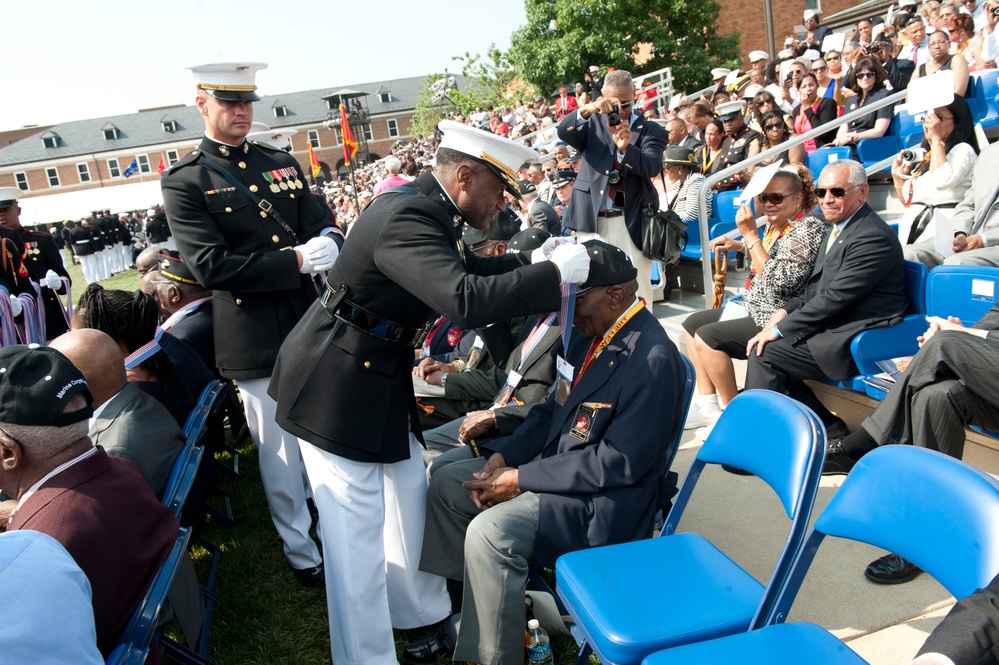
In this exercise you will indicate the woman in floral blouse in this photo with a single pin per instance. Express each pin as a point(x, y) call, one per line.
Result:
point(782, 252)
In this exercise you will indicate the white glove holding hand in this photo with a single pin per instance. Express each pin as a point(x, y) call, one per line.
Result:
point(573, 263)
point(52, 280)
point(544, 252)
point(15, 306)
point(318, 255)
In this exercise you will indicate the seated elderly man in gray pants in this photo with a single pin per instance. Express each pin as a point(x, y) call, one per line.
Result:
point(585, 469)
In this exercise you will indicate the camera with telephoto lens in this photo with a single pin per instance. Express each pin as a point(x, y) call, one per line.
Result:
point(913, 155)
point(789, 42)
point(614, 117)
point(873, 48)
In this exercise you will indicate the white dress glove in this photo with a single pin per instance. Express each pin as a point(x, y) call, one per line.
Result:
point(15, 306)
point(544, 252)
point(317, 255)
point(52, 280)
point(573, 263)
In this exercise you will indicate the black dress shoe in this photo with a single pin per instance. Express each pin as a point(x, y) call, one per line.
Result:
point(837, 429)
point(837, 463)
point(311, 577)
point(736, 470)
point(426, 650)
point(891, 569)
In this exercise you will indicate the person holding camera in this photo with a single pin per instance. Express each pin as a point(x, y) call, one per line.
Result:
point(932, 179)
point(898, 72)
point(868, 81)
point(941, 60)
point(622, 152)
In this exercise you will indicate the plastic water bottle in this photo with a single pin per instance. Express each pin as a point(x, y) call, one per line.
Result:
point(539, 651)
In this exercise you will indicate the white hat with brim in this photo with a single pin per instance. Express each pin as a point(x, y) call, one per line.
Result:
point(229, 81)
point(502, 156)
point(720, 73)
point(279, 139)
point(811, 13)
point(9, 197)
point(751, 90)
point(728, 109)
point(756, 56)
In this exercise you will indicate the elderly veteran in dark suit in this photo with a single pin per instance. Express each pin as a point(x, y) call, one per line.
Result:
point(343, 380)
point(98, 507)
point(581, 474)
point(185, 306)
point(857, 283)
point(615, 176)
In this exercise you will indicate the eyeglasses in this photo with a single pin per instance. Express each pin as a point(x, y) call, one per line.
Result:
point(775, 198)
point(819, 69)
point(627, 105)
point(837, 192)
point(866, 75)
point(773, 126)
point(941, 117)
point(833, 57)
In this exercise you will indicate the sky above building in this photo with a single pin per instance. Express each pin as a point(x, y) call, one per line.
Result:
point(67, 60)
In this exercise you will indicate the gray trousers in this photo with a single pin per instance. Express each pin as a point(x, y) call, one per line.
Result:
point(951, 382)
point(441, 439)
point(925, 252)
point(490, 550)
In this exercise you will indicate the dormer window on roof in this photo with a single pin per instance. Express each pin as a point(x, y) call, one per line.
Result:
point(110, 132)
point(50, 139)
point(280, 109)
point(169, 125)
point(385, 97)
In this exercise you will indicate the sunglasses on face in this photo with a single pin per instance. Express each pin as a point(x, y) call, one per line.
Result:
point(772, 127)
point(775, 198)
point(819, 69)
point(626, 105)
point(837, 192)
point(865, 75)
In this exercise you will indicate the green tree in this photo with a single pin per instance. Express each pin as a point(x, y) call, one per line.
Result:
point(490, 79)
point(563, 37)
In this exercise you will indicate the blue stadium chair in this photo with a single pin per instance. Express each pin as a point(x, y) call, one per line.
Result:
point(985, 91)
point(876, 344)
point(930, 509)
point(723, 221)
point(961, 291)
point(535, 580)
point(208, 405)
point(625, 610)
point(141, 629)
point(819, 159)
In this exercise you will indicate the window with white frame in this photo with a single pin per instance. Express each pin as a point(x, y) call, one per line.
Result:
point(172, 157)
point(113, 170)
point(53, 177)
point(21, 180)
point(393, 127)
point(143, 161)
point(83, 170)
point(366, 130)
point(280, 111)
point(314, 138)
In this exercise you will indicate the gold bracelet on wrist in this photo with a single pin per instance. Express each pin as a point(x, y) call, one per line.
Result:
point(751, 245)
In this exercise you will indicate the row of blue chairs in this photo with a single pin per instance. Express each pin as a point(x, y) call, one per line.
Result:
point(710, 610)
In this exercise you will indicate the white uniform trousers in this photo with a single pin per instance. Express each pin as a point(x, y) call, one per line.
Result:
point(126, 256)
point(104, 269)
point(281, 474)
point(118, 257)
point(612, 230)
point(372, 517)
point(88, 264)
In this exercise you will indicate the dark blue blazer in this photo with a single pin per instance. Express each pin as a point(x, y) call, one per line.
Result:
point(642, 161)
point(604, 483)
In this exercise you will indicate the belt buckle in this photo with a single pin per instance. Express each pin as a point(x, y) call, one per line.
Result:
point(265, 205)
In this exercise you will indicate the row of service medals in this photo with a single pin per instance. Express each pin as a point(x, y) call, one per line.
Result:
point(283, 179)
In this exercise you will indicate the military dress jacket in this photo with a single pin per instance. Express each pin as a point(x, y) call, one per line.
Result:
point(40, 256)
point(247, 259)
point(351, 393)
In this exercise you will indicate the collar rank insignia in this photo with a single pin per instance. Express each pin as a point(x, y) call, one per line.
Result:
point(224, 150)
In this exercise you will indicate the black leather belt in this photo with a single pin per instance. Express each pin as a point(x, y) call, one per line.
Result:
point(372, 324)
point(610, 213)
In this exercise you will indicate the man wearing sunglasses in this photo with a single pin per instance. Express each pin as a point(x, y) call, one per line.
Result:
point(857, 283)
point(619, 160)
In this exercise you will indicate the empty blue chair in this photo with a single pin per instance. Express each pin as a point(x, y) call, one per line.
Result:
point(141, 628)
point(208, 405)
point(966, 292)
point(931, 509)
point(818, 159)
point(986, 90)
point(622, 604)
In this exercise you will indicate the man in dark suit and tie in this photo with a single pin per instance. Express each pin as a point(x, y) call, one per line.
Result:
point(858, 283)
point(583, 470)
point(614, 180)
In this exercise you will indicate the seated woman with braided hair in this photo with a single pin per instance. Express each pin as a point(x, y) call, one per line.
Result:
point(170, 370)
point(783, 252)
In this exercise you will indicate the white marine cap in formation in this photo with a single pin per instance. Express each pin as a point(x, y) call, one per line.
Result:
point(812, 13)
point(9, 197)
point(502, 156)
point(812, 54)
point(594, 68)
point(279, 139)
point(229, 81)
point(732, 77)
point(756, 56)
point(728, 109)
point(719, 73)
point(751, 90)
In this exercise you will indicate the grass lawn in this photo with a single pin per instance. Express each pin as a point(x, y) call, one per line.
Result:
point(128, 280)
